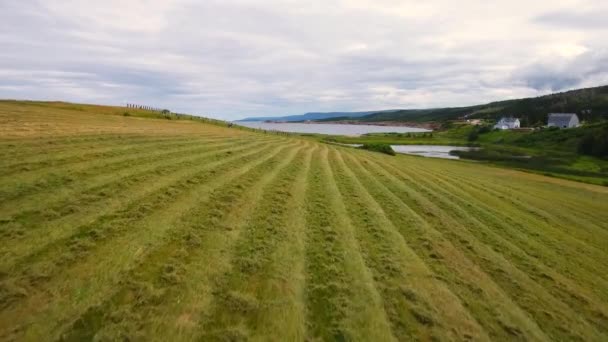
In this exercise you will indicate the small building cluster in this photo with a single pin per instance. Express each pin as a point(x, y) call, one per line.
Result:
point(559, 120)
point(507, 123)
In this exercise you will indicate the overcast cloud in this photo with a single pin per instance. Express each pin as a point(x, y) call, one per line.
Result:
point(231, 59)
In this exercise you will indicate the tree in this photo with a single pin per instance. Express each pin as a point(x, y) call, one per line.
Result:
point(473, 135)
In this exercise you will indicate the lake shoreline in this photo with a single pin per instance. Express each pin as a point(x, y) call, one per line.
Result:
point(422, 125)
point(342, 129)
point(426, 151)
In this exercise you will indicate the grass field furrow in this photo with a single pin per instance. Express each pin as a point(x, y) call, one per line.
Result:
point(512, 226)
point(93, 164)
point(537, 210)
point(341, 300)
point(494, 256)
point(62, 176)
point(550, 212)
point(107, 174)
point(78, 154)
point(51, 148)
point(198, 236)
point(543, 188)
point(399, 271)
point(162, 180)
point(558, 264)
point(126, 244)
point(286, 286)
point(104, 178)
point(58, 248)
point(408, 211)
point(57, 222)
point(241, 297)
point(120, 224)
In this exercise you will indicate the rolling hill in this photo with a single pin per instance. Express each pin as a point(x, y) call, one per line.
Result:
point(590, 104)
point(117, 226)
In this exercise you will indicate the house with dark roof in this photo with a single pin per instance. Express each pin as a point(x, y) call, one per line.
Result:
point(563, 120)
point(507, 123)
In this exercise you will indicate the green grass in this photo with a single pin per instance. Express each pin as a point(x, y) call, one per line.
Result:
point(451, 137)
point(549, 152)
point(118, 227)
point(382, 148)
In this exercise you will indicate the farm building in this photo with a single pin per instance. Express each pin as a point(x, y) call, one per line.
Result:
point(563, 120)
point(507, 123)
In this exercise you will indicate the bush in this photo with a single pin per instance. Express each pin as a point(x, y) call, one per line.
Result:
point(474, 135)
point(382, 148)
point(484, 129)
point(594, 143)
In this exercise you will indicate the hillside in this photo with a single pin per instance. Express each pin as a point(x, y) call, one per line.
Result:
point(532, 111)
point(125, 227)
point(314, 116)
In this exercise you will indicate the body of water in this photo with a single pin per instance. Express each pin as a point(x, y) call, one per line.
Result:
point(332, 129)
point(434, 151)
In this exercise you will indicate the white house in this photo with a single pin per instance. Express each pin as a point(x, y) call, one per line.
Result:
point(507, 123)
point(563, 120)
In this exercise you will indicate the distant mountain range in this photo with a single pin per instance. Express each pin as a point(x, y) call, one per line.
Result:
point(316, 116)
point(589, 103)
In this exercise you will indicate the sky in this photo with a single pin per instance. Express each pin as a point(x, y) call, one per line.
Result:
point(231, 59)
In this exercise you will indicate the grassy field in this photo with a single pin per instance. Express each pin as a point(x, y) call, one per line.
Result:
point(548, 152)
point(117, 227)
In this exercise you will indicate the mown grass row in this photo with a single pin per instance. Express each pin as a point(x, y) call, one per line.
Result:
point(239, 307)
point(544, 244)
point(135, 208)
point(77, 205)
point(24, 151)
point(81, 252)
point(29, 188)
point(413, 309)
point(74, 176)
point(412, 214)
point(79, 153)
point(173, 271)
point(506, 262)
point(340, 299)
point(550, 210)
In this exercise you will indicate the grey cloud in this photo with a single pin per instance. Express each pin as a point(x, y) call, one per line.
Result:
point(558, 74)
point(583, 20)
point(552, 80)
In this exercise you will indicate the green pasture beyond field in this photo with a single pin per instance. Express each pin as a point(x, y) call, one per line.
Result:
point(120, 227)
point(548, 152)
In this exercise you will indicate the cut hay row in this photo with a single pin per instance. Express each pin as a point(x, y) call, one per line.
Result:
point(98, 202)
point(71, 175)
point(114, 227)
point(121, 236)
point(108, 176)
